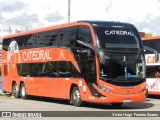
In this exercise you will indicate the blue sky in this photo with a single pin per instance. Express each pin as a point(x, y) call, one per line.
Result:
point(144, 14)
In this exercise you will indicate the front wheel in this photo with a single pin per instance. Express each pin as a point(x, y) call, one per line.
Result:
point(23, 91)
point(76, 97)
point(15, 91)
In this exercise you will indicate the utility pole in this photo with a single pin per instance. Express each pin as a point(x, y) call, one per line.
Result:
point(69, 9)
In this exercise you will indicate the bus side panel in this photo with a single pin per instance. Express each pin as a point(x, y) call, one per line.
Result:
point(6, 84)
point(81, 84)
point(153, 85)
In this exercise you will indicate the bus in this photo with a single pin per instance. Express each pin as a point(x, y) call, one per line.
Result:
point(84, 61)
point(152, 68)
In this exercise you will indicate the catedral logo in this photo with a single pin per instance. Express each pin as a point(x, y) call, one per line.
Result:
point(118, 32)
point(153, 84)
point(13, 54)
point(150, 59)
point(36, 55)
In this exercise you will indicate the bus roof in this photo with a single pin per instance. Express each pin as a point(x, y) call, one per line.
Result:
point(109, 23)
point(152, 38)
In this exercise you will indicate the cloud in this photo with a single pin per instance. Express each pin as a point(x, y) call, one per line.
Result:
point(140, 13)
point(23, 19)
point(1, 18)
point(54, 17)
point(149, 25)
point(11, 6)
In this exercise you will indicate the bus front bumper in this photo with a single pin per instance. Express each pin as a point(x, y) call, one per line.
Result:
point(119, 98)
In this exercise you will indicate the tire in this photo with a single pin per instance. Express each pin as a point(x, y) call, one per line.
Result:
point(117, 104)
point(23, 92)
point(76, 97)
point(15, 93)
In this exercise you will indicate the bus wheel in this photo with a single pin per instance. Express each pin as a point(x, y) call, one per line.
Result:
point(15, 92)
point(23, 91)
point(76, 97)
point(116, 104)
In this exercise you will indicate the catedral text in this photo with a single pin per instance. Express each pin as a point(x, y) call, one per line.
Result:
point(118, 32)
point(36, 55)
point(150, 59)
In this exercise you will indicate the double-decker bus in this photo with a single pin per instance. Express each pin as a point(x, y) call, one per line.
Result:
point(84, 61)
point(152, 68)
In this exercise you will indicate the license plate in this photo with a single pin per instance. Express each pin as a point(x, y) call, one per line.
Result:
point(127, 100)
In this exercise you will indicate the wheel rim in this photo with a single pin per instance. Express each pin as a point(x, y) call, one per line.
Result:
point(23, 91)
point(76, 96)
point(14, 89)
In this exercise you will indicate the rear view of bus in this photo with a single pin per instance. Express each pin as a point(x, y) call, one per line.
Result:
point(85, 61)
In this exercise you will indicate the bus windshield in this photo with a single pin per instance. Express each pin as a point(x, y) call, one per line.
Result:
point(117, 38)
point(121, 67)
point(123, 59)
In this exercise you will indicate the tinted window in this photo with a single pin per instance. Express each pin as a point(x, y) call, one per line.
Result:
point(31, 41)
point(42, 39)
point(117, 38)
point(153, 44)
point(6, 43)
point(61, 37)
point(151, 71)
point(84, 34)
point(48, 69)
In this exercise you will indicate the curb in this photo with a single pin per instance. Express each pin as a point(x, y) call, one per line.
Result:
point(1, 93)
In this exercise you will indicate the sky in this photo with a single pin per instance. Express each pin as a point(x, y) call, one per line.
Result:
point(144, 14)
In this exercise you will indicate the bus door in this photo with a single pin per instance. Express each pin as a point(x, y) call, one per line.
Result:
point(87, 64)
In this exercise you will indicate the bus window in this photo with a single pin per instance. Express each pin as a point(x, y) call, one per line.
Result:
point(43, 69)
point(53, 69)
point(42, 39)
point(153, 72)
point(32, 40)
point(34, 68)
point(62, 68)
point(84, 34)
point(24, 69)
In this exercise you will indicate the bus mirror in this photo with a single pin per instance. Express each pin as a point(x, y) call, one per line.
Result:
point(97, 50)
point(154, 51)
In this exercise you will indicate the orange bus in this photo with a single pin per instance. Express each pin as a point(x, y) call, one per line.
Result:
point(152, 68)
point(84, 61)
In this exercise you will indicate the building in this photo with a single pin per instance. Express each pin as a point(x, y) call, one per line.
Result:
point(11, 29)
point(145, 35)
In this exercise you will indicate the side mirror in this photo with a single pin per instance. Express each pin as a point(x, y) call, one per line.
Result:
point(154, 51)
point(97, 50)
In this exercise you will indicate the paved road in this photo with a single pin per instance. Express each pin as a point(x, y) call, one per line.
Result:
point(48, 104)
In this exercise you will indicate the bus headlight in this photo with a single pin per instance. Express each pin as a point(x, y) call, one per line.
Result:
point(104, 89)
point(143, 88)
